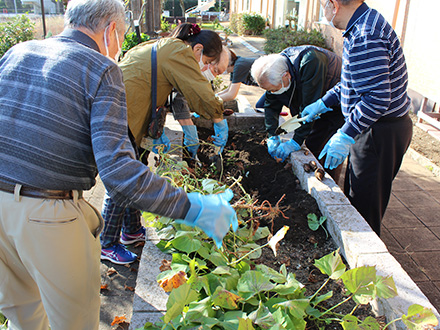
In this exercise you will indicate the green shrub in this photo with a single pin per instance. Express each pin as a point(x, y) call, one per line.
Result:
point(18, 29)
point(253, 23)
point(164, 25)
point(131, 40)
point(281, 38)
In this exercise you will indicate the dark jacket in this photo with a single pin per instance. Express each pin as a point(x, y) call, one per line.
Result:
point(314, 70)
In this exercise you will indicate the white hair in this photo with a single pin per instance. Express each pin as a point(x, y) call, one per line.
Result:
point(94, 15)
point(269, 68)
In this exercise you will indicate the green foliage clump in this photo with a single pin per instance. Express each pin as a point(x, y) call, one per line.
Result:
point(253, 23)
point(164, 25)
point(14, 31)
point(247, 23)
point(279, 39)
point(131, 40)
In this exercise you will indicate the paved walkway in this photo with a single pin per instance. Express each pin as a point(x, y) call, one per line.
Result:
point(411, 227)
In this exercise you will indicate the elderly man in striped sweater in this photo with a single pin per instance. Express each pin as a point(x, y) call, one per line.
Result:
point(374, 101)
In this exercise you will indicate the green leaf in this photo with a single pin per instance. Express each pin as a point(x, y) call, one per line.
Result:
point(287, 322)
point(166, 233)
point(385, 287)
point(351, 322)
point(211, 186)
point(292, 287)
point(222, 270)
point(296, 307)
point(225, 299)
point(271, 273)
point(230, 320)
point(253, 282)
point(261, 232)
point(245, 324)
point(186, 242)
point(198, 310)
point(262, 317)
point(218, 259)
point(419, 318)
point(319, 299)
point(178, 299)
point(242, 250)
point(360, 282)
point(331, 265)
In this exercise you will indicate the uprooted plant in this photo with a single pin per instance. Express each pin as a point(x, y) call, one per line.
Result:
point(225, 288)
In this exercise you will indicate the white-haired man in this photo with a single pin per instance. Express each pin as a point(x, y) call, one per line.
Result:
point(64, 117)
point(374, 100)
point(295, 78)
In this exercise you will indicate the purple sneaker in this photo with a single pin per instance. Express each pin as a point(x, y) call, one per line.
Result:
point(118, 254)
point(138, 236)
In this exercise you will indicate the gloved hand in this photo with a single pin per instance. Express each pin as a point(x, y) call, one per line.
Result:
point(212, 214)
point(272, 144)
point(221, 134)
point(312, 111)
point(284, 149)
point(163, 140)
point(191, 139)
point(337, 149)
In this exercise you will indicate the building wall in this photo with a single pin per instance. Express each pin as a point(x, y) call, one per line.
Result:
point(416, 25)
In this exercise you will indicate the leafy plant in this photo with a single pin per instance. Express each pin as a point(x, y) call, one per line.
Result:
point(164, 25)
point(314, 223)
point(236, 23)
point(131, 40)
point(281, 38)
point(224, 288)
point(253, 23)
point(16, 30)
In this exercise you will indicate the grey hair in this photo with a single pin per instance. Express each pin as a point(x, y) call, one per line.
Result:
point(348, 2)
point(94, 15)
point(269, 68)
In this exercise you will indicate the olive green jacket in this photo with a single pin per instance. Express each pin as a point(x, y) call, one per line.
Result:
point(176, 67)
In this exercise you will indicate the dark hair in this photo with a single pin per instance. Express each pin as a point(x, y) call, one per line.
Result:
point(191, 33)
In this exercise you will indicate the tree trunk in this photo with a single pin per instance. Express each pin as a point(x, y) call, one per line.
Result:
point(152, 16)
point(182, 6)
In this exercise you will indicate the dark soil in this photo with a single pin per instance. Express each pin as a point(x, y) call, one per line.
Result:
point(266, 180)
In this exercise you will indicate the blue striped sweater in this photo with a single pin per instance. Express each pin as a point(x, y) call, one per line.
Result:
point(374, 77)
point(63, 118)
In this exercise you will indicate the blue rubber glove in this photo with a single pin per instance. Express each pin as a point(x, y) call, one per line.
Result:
point(163, 140)
point(284, 149)
point(212, 214)
point(191, 139)
point(272, 144)
point(312, 111)
point(337, 149)
point(221, 134)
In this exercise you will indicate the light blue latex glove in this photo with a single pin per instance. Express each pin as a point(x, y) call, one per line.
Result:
point(191, 139)
point(163, 140)
point(221, 134)
point(212, 214)
point(312, 111)
point(337, 149)
point(284, 149)
point(272, 144)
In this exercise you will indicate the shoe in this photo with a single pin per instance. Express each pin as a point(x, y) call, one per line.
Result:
point(118, 254)
point(138, 236)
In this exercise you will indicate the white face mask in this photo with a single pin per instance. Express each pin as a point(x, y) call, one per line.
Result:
point(282, 89)
point(325, 18)
point(106, 45)
point(208, 74)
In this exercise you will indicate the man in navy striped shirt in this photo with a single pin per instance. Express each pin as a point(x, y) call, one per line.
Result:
point(374, 101)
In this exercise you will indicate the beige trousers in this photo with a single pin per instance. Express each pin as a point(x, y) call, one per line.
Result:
point(49, 263)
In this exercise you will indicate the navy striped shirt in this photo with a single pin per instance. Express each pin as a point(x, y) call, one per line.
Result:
point(374, 77)
point(63, 118)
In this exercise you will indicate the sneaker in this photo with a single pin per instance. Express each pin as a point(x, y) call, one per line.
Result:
point(118, 254)
point(138, 236)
